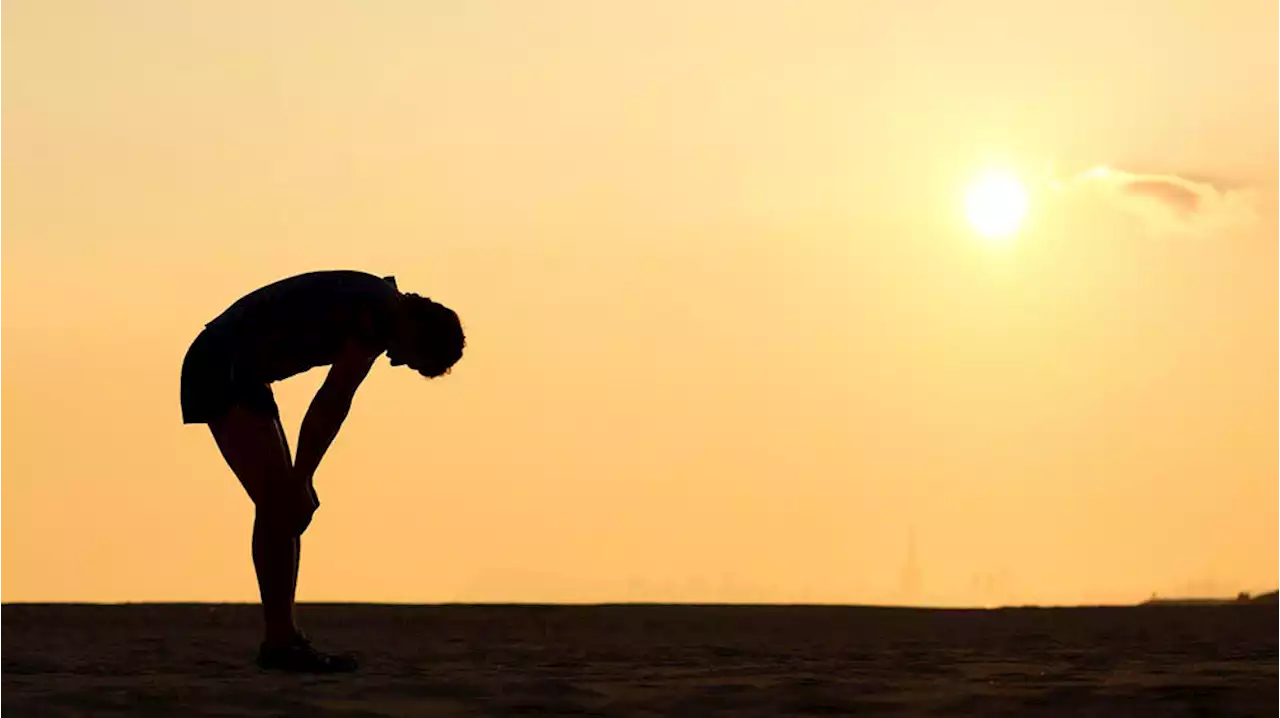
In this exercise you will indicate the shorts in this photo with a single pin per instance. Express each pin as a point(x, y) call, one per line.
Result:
point(210, 386)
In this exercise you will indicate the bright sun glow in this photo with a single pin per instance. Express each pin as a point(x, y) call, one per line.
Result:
point(996, 204)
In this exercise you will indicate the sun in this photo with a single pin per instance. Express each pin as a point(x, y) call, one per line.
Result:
point(996, 204)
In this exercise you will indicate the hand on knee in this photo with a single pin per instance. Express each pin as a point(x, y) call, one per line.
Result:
point(287, 513)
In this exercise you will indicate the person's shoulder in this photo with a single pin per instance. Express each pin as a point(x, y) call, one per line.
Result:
point(370, 293)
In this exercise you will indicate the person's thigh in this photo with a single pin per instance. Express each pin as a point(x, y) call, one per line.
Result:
point(254, 446)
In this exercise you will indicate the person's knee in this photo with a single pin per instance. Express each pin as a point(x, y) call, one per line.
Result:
point(271, 521)
point(281, 518)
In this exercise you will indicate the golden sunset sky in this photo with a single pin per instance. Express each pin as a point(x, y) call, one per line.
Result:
point(731, 336)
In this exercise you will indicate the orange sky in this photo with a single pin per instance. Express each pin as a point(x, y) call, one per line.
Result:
point(730, 338)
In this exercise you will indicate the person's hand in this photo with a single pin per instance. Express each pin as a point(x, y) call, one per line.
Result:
point(304, 502)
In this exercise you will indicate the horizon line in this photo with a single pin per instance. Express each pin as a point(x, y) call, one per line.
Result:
point(1209, 601)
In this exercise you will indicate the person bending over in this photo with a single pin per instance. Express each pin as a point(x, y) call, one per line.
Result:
point(340, 319)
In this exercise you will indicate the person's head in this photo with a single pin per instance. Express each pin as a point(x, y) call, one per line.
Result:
point(427, 337)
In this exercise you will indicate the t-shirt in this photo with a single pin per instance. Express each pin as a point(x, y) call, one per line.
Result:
point(295, 324)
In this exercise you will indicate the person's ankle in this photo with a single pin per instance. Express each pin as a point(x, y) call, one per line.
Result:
point(282, 637)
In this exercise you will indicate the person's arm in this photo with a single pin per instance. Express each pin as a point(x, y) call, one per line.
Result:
point(330, 406)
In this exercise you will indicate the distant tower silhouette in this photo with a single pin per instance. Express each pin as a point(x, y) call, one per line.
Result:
point(911, 571)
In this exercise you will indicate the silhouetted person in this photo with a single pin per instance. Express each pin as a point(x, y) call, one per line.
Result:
point(344, 319)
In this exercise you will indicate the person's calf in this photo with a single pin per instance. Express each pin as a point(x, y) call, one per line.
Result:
point(275, 551)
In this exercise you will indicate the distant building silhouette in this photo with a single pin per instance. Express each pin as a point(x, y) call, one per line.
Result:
point(1242, 597)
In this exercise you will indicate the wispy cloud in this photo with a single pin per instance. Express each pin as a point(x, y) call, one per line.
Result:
point(1167, 203)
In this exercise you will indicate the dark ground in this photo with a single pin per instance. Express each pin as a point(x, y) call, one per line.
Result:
point(196, 660)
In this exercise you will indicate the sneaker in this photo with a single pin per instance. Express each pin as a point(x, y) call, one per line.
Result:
point(300, 657)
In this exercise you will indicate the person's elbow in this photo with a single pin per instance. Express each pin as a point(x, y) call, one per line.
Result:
point(334, 400)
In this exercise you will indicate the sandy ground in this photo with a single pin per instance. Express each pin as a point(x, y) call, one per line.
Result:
point(196, 660)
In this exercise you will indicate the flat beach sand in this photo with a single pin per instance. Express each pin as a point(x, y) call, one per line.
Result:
point(196, 660)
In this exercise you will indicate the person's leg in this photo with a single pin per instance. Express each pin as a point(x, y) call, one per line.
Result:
point(297, 540)
point(254, 447)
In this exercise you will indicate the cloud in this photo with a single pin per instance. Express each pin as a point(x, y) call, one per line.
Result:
point(1175, 195)
point(1167, 203)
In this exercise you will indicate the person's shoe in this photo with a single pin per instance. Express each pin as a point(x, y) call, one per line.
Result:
point(299, 657)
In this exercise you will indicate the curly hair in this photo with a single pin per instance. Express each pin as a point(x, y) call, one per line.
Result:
point(437, 332)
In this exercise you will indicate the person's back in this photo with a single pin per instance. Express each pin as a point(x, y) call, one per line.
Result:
point(302, 322)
